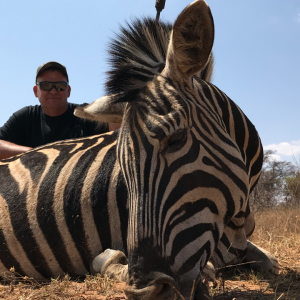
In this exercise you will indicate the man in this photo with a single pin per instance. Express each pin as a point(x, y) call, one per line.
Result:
point(53, 120)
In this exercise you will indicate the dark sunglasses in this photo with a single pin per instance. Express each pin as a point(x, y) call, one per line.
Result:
point(48, 85)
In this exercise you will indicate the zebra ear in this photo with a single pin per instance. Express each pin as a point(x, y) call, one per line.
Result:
point(103, 109)
point(191, 40)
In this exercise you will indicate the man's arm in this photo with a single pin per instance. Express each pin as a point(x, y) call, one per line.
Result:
point(8, 149)
point(12, 134)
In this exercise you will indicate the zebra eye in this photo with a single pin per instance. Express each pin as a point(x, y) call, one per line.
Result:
point(177, 140)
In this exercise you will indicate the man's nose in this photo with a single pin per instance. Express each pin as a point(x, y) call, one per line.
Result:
point(53, 90)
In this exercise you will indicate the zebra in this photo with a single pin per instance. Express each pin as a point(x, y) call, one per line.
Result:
point(190, 158)
point(63, 203)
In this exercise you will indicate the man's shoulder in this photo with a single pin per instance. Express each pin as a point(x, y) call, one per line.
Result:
point(28, 110)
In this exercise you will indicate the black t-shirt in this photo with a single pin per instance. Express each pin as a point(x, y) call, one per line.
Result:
point(31, 127)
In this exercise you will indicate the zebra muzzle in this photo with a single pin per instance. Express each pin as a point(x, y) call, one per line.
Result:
point(160, 288)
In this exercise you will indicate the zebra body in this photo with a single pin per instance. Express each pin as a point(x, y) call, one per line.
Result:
point(56, 214)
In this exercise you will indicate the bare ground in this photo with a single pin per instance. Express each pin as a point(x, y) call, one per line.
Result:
point(276, 231)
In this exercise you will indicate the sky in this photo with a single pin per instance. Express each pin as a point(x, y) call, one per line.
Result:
point(256, 49)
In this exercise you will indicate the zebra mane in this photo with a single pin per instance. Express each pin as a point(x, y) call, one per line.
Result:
point(138, 54)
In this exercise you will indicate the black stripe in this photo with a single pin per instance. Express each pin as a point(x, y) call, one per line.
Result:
point(99, 197)
point(219, 254)
point(121, 198)
point(35, 162)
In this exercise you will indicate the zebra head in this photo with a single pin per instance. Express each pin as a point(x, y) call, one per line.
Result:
point(169, 124)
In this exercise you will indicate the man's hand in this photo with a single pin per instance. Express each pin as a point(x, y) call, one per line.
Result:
point(8, 149)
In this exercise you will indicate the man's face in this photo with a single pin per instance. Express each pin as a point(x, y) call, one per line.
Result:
point(52, 100)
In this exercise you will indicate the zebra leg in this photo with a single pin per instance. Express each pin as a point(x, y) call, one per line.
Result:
point(209, 272)
point(232, 246)
point(258, 258)
point(112, 263)
point(261, 260)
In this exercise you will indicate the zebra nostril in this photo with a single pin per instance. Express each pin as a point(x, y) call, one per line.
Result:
point(165, 291)
point(160, 288)
point(162, 291)
point(164, 286)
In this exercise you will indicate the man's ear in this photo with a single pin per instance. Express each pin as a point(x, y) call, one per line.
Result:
point(35, 90)
point(69, 91)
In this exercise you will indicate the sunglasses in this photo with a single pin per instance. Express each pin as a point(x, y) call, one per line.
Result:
point(48, 85)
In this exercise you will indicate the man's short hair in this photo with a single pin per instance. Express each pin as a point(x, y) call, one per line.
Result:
point(51, 66)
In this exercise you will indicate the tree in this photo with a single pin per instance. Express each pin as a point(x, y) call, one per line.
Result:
point(271, 188)
point(293, 189)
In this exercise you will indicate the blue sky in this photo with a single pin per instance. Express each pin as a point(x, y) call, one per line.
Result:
point(257, 53)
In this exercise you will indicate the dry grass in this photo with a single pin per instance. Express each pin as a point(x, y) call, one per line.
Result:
point(276, 231)
point(16, 287)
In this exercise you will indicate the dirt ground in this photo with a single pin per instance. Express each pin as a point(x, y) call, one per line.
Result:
point(276, 231)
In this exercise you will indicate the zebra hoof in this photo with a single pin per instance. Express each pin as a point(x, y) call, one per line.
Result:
point(112, 263)
point(261, 260)
point(106, 258)
point(209, 273)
